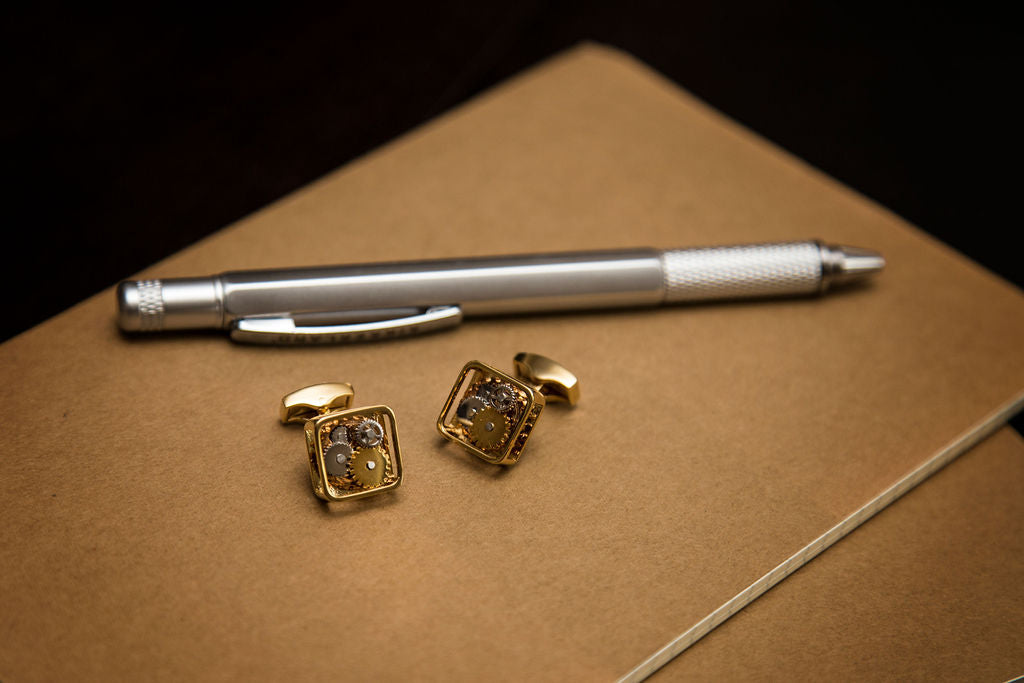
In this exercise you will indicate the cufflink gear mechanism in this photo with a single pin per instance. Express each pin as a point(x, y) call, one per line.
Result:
point(352, 452)
point(493, 414)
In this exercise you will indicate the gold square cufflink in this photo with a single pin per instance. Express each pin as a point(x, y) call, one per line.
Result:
point(493, 414)
point(352, 452)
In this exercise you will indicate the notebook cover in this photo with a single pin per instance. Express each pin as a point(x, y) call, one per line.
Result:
point(159, 523)
point(930, 590)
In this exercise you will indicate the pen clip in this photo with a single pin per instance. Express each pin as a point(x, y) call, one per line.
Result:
point(283, 330)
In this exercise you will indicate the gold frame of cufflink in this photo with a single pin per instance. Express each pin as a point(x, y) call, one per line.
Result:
point(352, 452)
point(492, 414)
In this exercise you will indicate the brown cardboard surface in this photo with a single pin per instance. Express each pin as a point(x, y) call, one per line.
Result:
point(929, 590)
point(158, 520)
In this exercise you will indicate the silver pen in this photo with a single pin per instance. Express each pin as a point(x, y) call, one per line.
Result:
point(381, 300)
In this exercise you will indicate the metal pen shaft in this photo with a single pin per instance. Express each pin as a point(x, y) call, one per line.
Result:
point(490, 285)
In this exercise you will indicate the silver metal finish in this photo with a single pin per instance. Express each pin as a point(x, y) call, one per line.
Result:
point(285, 330)
point(742, 272)
point(498, 395)
point(508, 284)
point(178, 304)
point(151, 304)
point(368, 433)
point(363, 302)
point(843, 265)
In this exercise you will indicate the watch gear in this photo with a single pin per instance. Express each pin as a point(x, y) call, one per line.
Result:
point(339, 434)
point(499, 395)
point(484, 391)
point(336, 459)
point(367, 466)
point(504, 398)
point(368, 433)
point(489, 428)
point(468, 409)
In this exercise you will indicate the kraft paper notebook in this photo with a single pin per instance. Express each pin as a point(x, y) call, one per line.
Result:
point(158, 521)
point(929, 590)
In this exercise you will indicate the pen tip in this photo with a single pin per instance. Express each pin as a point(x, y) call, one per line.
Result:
point(851, 264)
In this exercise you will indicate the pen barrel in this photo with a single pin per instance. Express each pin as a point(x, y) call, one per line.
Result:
point(492, 285)
point(741, 272)
point(479, 286)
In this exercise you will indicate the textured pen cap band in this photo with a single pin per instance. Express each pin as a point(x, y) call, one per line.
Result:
point(142, 304)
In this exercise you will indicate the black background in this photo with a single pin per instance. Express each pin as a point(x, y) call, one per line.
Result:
point(129, 135)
